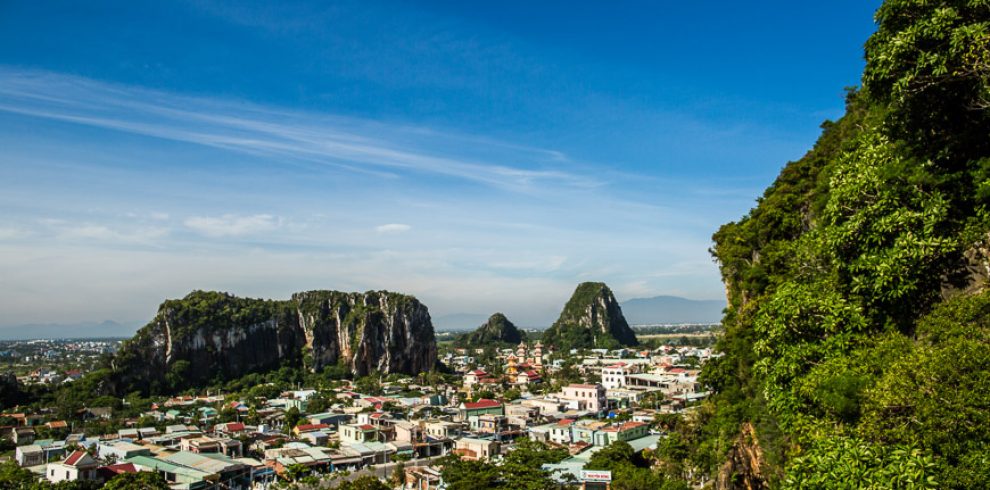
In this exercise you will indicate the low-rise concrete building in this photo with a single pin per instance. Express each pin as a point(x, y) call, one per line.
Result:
point(478, 449)
point(120, 450)
point(29, 455)
point(481, 407)
point(358, 433)
point(78, 466)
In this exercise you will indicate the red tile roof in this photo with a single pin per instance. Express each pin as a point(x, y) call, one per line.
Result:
point(366, 427)
point(120, 468)
point(233, 427)
point(75, 458)
point(483, 403)
point(310, 427)
point(478, 372)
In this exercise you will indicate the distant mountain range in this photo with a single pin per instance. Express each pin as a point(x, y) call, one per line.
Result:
point(67, 330)
point(671, 309)
point(638, 311)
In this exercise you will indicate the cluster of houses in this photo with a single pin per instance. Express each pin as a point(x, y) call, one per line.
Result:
point(193, 449)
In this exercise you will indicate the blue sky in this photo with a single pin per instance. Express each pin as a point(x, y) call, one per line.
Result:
point(483, 157)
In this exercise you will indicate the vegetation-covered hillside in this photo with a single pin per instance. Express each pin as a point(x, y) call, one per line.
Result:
point(856, 342)
point(592, 318)
point(497, 331)
point(209, 337)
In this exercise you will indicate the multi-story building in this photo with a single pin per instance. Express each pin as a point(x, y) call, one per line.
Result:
point(614, 376)
point(585, 397)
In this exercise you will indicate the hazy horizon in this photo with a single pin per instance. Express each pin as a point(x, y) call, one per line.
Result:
point(125, 328)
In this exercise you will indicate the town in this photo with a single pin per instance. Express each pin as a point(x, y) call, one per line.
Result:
point(398, 429)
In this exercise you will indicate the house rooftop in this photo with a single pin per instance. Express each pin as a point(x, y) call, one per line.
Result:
point(482, 403)
point(79, 458)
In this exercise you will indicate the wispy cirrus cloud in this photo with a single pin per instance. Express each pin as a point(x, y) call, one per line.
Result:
point(101, 233)
point(8, 233)
point(392, 228)
point(231, 225)
point(346, 144)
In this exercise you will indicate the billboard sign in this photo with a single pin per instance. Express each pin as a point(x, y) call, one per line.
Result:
point(596, 475)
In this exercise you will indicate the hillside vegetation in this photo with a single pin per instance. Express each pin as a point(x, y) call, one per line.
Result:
point(857, 333)
point(496, 331)
point(592, 318)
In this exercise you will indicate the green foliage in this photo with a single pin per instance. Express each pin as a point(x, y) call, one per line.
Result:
point(930, 61)
point(13, 477)
point(142, 480)
point(839, 337)
point(292, 418)
point(592, 304)
point(209, 311)
point(630, 469)
point(497, 331)
point(368, 385)
point(468, 475)
point(937, 396)
point(520, 469)
point(845, 463)
point(366, 482)
point(176, 377)
point(512, 394)
point(885, 236)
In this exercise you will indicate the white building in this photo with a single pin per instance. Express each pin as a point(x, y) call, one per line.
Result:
point(30, 455)
point(473, 377)
point(358, 433)
point(442, 429)
point(587, 397)
point(78, 466)
point(614, 376)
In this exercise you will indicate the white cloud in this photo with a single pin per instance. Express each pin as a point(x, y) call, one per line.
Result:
point(393, 228)
point(88, 232)
point(348, 144)
point(13, 233)
point(232, 225)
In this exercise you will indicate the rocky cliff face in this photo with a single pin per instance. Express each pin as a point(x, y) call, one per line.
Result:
point(210, 336)
point(497, 330)
point(743, 467)
point(591, 318)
